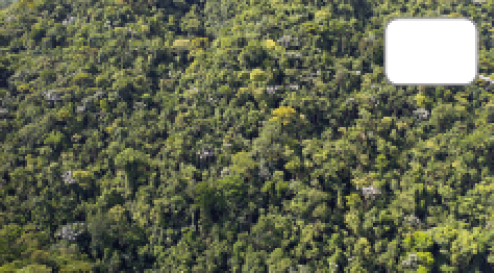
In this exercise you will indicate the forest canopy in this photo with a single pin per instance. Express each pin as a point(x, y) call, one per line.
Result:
point(237, 136)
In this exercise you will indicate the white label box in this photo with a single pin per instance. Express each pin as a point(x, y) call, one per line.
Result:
point(431, 51)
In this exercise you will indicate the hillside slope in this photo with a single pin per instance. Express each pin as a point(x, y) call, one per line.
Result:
point(237, 136)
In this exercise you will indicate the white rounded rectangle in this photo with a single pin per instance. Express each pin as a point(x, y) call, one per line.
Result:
point(430, 51)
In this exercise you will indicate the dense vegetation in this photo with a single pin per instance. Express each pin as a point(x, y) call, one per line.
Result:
point(243, 136)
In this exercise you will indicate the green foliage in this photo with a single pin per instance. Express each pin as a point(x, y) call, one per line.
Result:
point(257, 75)
point(243, 136)
point(418, 241)
point(9, 249)
point(55, 138)
point(209, 200)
